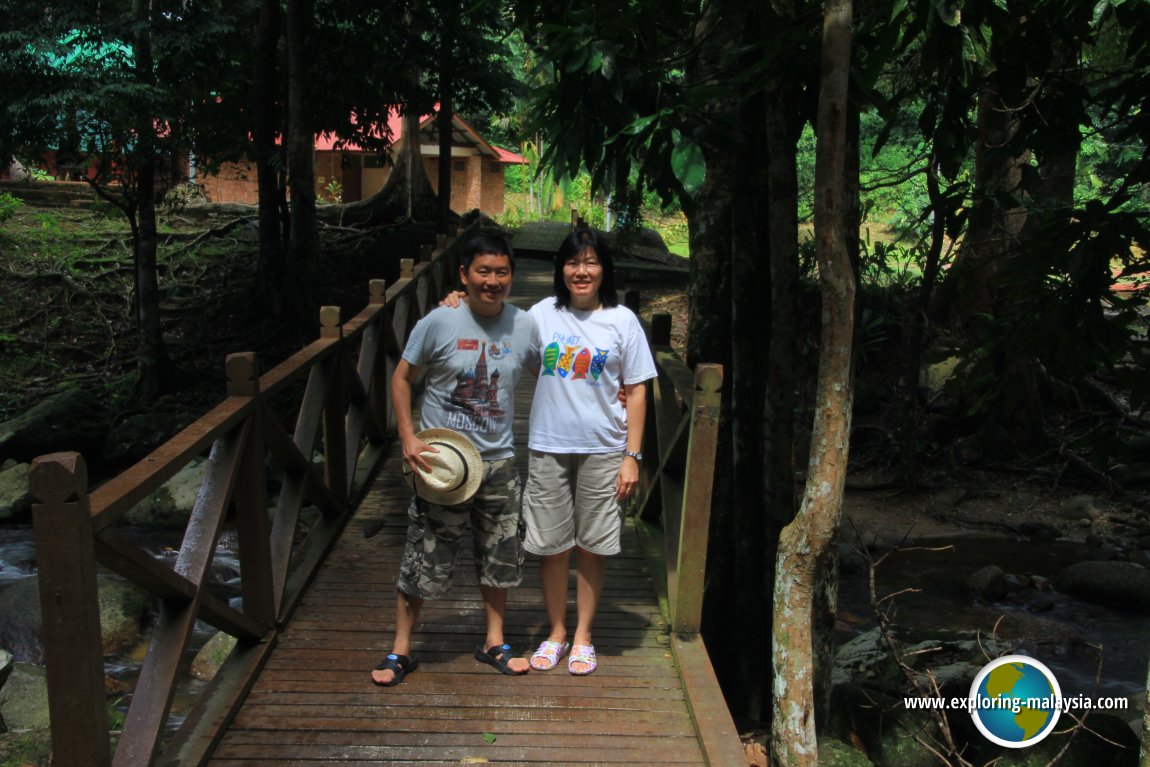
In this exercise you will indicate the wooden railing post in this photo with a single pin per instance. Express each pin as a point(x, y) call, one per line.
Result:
point(376, 378)
point(334, 411)
point(250, 497)
point(687, 608)
point(659, 433)
point(69, 601)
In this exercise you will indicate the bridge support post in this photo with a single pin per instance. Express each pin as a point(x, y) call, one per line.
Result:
point(335, 458)
point(250, 497)
point(69, 602)
point(687, 607)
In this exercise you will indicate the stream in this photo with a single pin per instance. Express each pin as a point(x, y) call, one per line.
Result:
point(1053, 628)
point(18, 561)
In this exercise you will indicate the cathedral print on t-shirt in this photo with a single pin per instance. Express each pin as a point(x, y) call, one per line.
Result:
point(477, 393)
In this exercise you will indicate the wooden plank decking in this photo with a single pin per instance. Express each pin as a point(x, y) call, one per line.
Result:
point(314, 701)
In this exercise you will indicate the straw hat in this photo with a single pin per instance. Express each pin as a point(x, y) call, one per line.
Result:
point(456, 470)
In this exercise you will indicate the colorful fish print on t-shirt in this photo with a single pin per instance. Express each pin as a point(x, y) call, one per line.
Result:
point(550, 357)
point(598, 362)
point(564, 366)
point(582, 362)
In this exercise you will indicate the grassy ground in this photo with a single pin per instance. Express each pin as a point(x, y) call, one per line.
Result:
point(66, 286)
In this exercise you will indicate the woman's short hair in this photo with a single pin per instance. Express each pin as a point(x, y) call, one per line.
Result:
point(576, 244)
point(486, 244)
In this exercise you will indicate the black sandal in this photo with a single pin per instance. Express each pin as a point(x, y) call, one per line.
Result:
point(498, 657)
point(401, 665)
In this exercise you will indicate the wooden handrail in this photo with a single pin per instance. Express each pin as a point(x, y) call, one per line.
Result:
point(676, 479)
point(339, 387)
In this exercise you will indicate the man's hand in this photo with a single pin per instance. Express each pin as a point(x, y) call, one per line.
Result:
point(454, 299)
point(413, 450)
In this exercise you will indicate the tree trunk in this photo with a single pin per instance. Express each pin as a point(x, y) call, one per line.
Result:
point(996, 214)
point(806, 543)
point(443, 121)
point(708, 340)
point(909, 463)
point(750, 336)
point(152, 362)
point(302, 267)
point(783, 127)
point(406, 195)
point(271, 197)
point(1058, 142)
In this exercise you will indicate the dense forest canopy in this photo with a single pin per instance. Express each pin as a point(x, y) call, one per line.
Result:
point(994, 183)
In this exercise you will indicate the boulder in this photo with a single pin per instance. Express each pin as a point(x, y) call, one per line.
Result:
point(74, 419)
point(24, 698)
point(140, 434)
point(122, 608)
point(1039, 532)
point(1079, 507)
point(1124, 585)
point(6, 664)
point(15, 500)
point(17, 171)
point(835, 753)
point(934, 377)
point(868, 689)
point(1134, 474)
point(212, 655)
point(987, 583)
point(171, 505)
point(21, 626)
point(26, 748)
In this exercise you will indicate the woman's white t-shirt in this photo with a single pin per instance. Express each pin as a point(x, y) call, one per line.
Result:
point(586, 357)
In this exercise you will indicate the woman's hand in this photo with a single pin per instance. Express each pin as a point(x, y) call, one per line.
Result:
point(627, 479)
point(454, 299)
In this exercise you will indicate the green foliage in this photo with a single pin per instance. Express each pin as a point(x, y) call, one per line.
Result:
point(889, 264)
point(610, 97)
point(334, 191)
point(8, 206)
point(515, 179)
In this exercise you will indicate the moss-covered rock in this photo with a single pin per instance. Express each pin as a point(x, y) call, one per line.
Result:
point(212, 655)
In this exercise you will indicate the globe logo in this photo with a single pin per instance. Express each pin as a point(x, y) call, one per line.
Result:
point(1015, 701)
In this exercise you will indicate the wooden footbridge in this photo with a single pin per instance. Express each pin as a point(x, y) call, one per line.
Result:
point(318, 578)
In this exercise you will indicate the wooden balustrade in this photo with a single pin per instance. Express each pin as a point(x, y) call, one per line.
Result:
point(337, 388)
point(678, 469)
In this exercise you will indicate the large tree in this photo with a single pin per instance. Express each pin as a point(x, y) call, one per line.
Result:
point(806, 560)
point(124, 84)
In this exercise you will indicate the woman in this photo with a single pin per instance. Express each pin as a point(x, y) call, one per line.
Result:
point(585, 444)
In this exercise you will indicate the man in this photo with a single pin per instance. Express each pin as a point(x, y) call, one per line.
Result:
point(473, 359)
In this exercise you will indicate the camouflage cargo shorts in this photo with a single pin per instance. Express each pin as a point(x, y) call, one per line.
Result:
point(434, 533)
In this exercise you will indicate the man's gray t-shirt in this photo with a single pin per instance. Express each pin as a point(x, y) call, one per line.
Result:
point(472, 365)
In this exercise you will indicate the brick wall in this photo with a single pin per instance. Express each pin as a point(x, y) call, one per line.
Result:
point(235, 182)
point(479, 185)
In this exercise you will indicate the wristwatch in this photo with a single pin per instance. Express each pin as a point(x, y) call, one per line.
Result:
point(637, 456)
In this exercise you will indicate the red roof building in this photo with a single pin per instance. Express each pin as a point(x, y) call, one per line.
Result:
point(346, 173)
